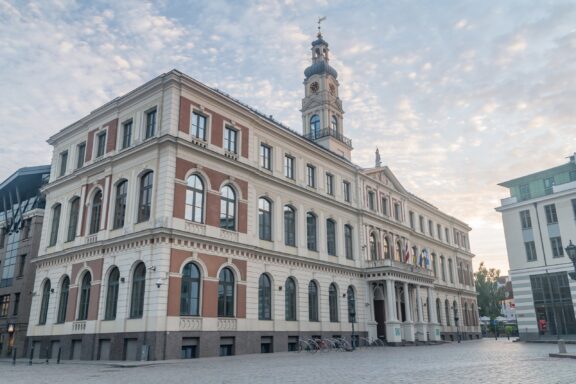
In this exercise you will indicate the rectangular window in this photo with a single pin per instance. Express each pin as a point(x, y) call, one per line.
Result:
point(551, 217)
point(289, 167)
point(198, 126)
point(525, 219)
point(26, 229)
point(265, 157)
point(346, 192)
point(2, 237)
point(100, 144)
point(431, 228)
point(384, 203)
point(126, 134)
point(548, 184)
point(4, 304)
point(556, 244)
point(411, 216)
point(311, 175)
point(439, 231)
point(530, 247)
point(371, 202)
point(81, 149)
point(226, 346)
point(421, 224)
point(447, 235)
point(329, 184)
point(266, 344)
point(397, 212)
point(63, 162)
point(150, 124)
point(524, 191)
point(230, 140)
point(16, 304)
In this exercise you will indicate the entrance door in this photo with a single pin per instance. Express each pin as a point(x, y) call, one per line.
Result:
point(380, 317)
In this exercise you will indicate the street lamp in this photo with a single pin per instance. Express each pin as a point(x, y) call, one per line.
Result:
point(571, 252)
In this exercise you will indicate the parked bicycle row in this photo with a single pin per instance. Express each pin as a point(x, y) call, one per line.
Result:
point(314, 345)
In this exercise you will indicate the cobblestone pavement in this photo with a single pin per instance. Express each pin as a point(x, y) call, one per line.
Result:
point(483, 361)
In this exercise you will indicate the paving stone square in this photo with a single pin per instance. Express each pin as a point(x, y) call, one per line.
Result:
point(483, 361)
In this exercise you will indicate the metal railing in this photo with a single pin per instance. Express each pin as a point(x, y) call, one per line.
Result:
point(328, 132)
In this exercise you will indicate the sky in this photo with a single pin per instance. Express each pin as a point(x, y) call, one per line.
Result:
point(457, 95)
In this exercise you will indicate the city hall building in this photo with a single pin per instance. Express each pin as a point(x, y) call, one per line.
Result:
point(182, 223)
point(539, 220)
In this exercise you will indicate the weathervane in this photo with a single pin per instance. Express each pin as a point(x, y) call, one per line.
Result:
point(320, 20)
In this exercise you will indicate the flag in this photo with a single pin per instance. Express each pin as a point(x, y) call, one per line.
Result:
point(406, 253)
point(427, 255)
point(421, 259)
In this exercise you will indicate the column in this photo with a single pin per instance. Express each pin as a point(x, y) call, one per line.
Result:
point(371, 324)
point(393, 326)
point(421, 327)
point(408, 325)
point(434, 327)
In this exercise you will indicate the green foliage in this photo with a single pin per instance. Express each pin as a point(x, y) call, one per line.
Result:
point(489, 295)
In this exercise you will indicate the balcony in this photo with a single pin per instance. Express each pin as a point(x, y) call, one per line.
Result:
point(329, 132)
point(387, 264)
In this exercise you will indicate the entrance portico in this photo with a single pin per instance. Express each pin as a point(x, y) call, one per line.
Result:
point(396, 304)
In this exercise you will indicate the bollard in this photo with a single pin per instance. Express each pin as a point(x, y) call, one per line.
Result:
point(47, 355)
point(14, 356)
point(561, 346)
point(58, 358)
point(31, 356)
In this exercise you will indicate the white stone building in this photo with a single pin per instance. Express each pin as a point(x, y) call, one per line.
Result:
point(193, 225)
point(539, 221)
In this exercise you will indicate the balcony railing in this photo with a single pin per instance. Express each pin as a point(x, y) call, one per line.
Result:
point(406, 267)
point(314, 135)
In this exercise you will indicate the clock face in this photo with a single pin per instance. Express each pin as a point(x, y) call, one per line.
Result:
point(332, 89)
point(314, 87)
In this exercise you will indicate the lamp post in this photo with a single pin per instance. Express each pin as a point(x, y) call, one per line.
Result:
point(571, 252)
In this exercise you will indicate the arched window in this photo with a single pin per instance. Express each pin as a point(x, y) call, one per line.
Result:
point(434, 268)
point(331, 237)
point(333, 303)
point(465, 310)
point(265, 219)
point(44, 303)
point(120, 204)
point(112, 294)
point(227, 208)
point(194, 210)
point(447, 311)
point(350, 295)
point(311, 238)
point(473, 316)
point(348, 242)
point(63, 302)
point(443, 267)
point(312, 301)
point(145, 200)
point(290, 299)
point(264, 298)
point(450, 271)
point(226, 293)
point(84, 296)
point(96, 212)
point(190, 291)
point(55, 224)
point(387, 249)
point(289, 226)
point(398, 253)
point(315, 126)
point(439, 311)
point(73, 219)
point(138, 290)
point(334, 123)
point(373, 249)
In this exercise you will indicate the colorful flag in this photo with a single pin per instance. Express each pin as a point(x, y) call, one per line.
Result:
point(406, 253)
point(427, 255)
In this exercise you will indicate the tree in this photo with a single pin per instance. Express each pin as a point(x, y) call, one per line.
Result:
point(489, 295)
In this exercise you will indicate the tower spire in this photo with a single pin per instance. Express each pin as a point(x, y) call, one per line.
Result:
point(320, 20)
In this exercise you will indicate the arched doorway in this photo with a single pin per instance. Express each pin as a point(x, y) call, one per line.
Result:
point(380, 311)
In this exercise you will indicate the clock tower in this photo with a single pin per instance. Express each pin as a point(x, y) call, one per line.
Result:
point(322, 113)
